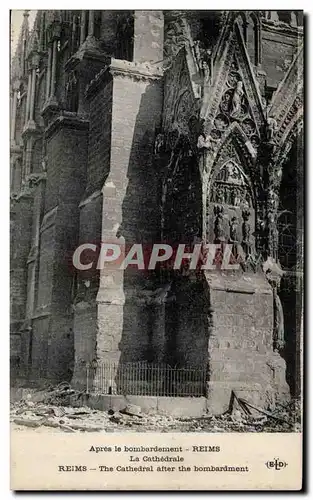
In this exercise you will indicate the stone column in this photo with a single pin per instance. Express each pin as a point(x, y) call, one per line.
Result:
point(33, 255)
point(29, 86)
point(48, 80)
point(91, 23)
point(32, 96)
point(148, 35)
point(28, 155)
point(54, 66)
point(42, 31)
point(82, 27)
point(14, 106)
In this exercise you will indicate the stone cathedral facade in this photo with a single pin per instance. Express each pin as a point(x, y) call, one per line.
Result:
point(159, 126)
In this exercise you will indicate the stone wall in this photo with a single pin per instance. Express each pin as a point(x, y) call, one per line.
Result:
point(241, 356)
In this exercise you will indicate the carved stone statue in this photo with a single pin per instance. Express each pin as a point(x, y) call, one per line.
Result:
point(205, 142)
point(236, 197)
point(219, 195)
point(219, 229)
point(233, 233)
point(159, 144)
point(246, 232)
point(208, 67)
point(272, 236)
point(236, 104)
point(271, 128)
point(233, 225)
point(273, 199)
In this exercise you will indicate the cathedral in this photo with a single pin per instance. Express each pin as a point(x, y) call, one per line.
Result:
point(161, 127)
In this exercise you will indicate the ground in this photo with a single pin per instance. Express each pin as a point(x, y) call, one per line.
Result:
point(49, 411)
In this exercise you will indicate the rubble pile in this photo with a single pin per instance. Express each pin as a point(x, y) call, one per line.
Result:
point(50, 408)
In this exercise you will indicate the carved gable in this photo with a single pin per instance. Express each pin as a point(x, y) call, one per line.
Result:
point(234, 95)
point(287, 101)
point(180, 103)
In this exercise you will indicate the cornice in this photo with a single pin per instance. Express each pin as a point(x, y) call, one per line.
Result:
point(135, 70)
point(31, 129)
point(86, 52)
point(27, 188)
point(125, 69)
point(68, 120)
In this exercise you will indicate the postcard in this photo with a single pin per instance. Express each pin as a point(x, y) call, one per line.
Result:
point(156, 162)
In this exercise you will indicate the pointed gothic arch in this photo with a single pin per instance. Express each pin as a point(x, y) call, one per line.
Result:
point(244, 147)
point(229, 191)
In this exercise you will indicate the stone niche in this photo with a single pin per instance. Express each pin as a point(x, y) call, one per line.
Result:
point(230, 211)
point(240, 350)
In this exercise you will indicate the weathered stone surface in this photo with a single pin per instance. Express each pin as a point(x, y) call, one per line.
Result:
point(142, 136)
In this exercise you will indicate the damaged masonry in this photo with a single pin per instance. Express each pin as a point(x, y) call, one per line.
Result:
point(164, 128)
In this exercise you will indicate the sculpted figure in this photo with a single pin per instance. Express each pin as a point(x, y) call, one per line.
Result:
point(233, 233)
point(234, 229)
point(246, 232)
point(159, 144)
point(219, 196)
point(237, 100)
point(273, 236)
point(219, 230)
point(271, 128)
point(208, 67)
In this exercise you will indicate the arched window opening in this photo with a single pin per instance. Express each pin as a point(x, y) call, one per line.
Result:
point(287, 216)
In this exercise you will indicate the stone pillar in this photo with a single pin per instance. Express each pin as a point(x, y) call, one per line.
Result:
point(20, 251)
point(33, 255)
point(52, 346)
point(91, 23)
point(159, 333)
point(54, 66)
point(16, 86)
point(83, 27)
point(16, 163)
point(29, 88)
point(42, 31)
point(48, 76)
point(28, 155)
point(32, 97)
point(123, 314)
point(148, 35)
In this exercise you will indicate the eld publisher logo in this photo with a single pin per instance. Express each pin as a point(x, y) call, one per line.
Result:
point(276, 464)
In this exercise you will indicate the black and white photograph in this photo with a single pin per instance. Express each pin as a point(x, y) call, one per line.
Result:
point(157, 232)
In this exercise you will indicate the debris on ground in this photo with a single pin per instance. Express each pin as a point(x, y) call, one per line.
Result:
point(51, 408)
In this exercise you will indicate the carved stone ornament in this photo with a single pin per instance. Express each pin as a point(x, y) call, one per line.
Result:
point(219, 224)
point(274, 273)
point(230, 187)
